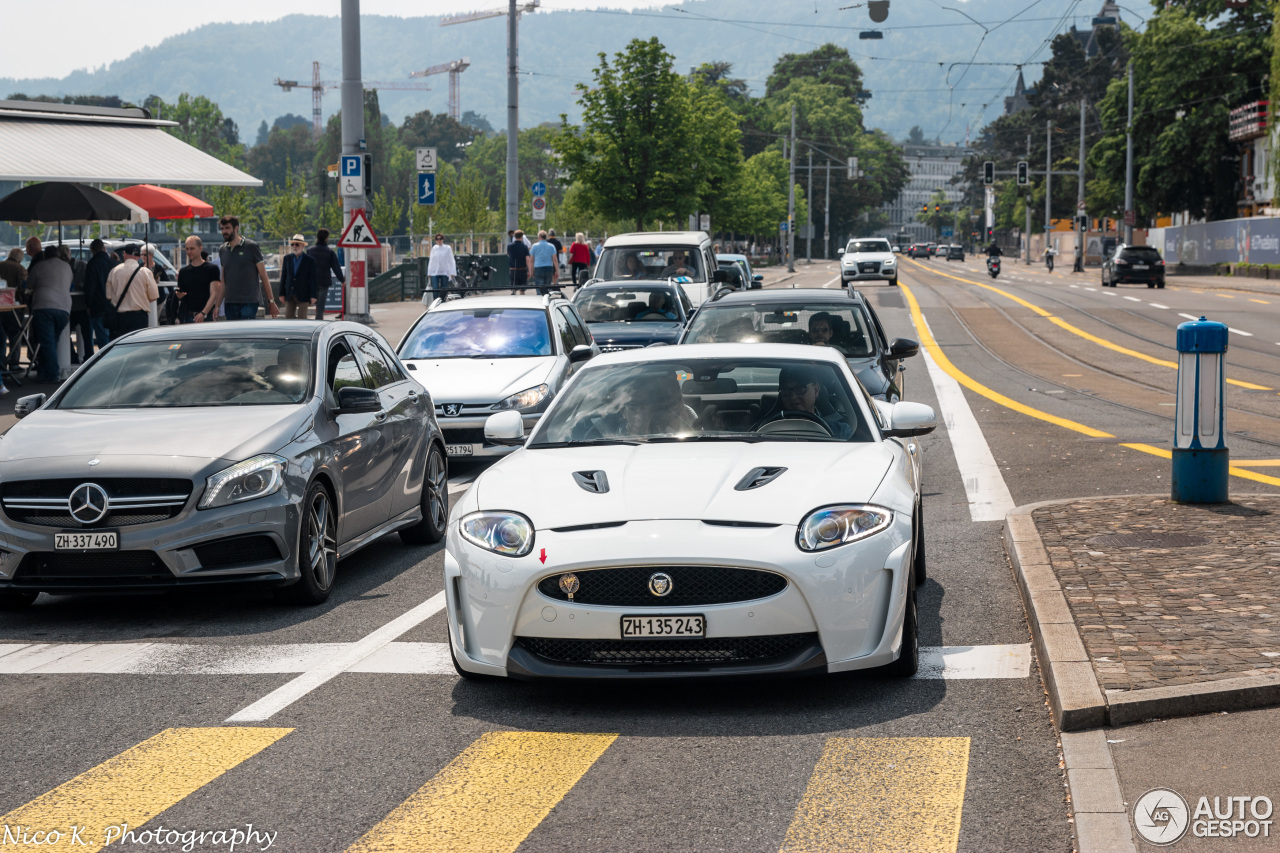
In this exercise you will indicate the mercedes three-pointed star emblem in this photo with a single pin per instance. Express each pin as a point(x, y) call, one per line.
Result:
point(88, 503)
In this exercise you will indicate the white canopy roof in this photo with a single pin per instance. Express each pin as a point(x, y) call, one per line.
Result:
point(55, 142)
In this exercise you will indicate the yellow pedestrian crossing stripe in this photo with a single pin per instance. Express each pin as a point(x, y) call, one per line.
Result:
point(91, 810)
point(490, 797)
point(883, 794)
point(865, 794)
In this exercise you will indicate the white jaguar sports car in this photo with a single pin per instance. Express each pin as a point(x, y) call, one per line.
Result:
point(718, 509)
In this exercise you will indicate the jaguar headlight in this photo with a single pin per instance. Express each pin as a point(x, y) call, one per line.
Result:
point(245, 481)
point(506, 533)
point(835, 525)
point(526, 399)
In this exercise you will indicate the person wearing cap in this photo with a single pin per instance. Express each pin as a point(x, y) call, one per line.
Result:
point(131, 289)
point(297, 280)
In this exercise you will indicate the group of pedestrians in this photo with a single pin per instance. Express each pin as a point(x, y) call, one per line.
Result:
point(121, 291)
point(538, 263)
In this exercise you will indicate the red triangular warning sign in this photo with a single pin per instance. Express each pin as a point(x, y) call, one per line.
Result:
point(359, 233)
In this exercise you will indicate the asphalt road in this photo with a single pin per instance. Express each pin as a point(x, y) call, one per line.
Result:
point(396, 753)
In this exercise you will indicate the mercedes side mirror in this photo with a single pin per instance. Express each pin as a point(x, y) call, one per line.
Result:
point(353, 399)
point(903, 348)
point(580, 353)
point(27, 405)
point(504, 428)
point(910, 419)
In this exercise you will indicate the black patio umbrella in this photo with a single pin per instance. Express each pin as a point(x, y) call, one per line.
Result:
point(61, 202)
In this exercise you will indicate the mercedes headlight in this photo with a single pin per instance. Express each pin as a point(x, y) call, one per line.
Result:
point(527, 399)
point(245, 481)
point(506, 533)
point(835, 525)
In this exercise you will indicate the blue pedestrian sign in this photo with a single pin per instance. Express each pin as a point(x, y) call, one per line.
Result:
point(351, 176)
point(539, 189)
point(426, 188)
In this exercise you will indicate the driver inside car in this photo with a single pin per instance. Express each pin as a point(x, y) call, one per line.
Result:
point(679, 266)
point(660, 303)
point(799, 392)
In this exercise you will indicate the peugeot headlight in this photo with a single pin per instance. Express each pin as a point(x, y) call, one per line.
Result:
point(245, 481)
point(527, 399)
point(507, 533)
point(835, 525)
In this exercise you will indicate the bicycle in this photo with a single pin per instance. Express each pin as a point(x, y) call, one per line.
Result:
point(475, 273)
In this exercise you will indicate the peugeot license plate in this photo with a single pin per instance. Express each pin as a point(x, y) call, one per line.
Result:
point(643, 627)
point(458, 449)
point(97, 540)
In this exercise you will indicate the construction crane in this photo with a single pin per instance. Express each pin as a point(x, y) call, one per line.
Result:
point(454, 70)
point(317, 92)
point(488, 13)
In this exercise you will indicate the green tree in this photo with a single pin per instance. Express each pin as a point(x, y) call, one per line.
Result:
point(388, 211)
point(286, 209)
point(636, 139)
point(450, 138)
point(285, 151)
point(829, 65)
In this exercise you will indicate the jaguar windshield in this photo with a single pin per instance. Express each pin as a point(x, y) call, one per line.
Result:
point(628, 263)
point(704, 400)
point(838, 325)
point(191, 373)
point(479, 333)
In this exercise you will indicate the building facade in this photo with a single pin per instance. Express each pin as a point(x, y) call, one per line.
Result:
point(932, 168)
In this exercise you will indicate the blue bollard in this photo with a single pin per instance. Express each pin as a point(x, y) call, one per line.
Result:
point(1200, 457)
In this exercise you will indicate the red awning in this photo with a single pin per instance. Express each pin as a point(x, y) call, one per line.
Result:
point(165, 203)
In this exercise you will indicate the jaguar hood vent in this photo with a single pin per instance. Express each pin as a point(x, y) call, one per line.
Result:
point(756, 478)
point(592, 481)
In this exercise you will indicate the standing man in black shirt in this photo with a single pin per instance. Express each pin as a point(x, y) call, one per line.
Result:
point(199, 285)
point(326, 261)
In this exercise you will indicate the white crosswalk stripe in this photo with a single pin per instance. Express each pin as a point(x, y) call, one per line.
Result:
point(396, 658)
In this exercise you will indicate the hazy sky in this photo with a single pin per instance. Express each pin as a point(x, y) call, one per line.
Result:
point(91, 34)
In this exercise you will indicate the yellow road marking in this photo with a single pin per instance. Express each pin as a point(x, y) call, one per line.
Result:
point(1257, 463)
point(883, 794)
point(940, 358)
point(489, 798)
point(136, 785)
point(1261, 301)
point(1102, 342)
point(1224, 295)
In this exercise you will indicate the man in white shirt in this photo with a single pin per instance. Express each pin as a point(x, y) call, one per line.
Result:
point(441, 267)
point(131, 301)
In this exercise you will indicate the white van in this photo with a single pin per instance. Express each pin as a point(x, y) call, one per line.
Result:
point(684, 257)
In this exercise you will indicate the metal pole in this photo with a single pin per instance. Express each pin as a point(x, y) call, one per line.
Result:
point(1026, 205)
point(357, 307)
point(791, 198)
point(1080, 197)
point(808, 241)
point(826, 219)
point(513, 117)
point(1128, 164)
point(1048, 179)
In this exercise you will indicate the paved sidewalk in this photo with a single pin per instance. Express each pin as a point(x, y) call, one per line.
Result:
point(1144, 608)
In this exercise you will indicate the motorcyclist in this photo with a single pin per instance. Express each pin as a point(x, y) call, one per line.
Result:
point(1049, 255)
point(993, 251)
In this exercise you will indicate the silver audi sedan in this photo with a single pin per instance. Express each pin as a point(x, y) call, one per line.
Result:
point(210, 454)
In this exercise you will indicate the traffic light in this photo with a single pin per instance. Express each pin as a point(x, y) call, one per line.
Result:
point(991, 233)
point(925, 209)
point(851, 168)
point(937, 208)
point(989, 172)
point(1024, 173)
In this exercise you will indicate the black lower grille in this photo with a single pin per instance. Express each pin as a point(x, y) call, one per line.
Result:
point(107, 565)
point(121, 518)
point(673, 651)
point(628, 586)
point(237, 551)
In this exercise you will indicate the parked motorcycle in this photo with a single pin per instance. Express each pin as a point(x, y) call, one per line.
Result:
point(993, 266)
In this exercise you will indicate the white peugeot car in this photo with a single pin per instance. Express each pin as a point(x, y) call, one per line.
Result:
point(870, 259)
point(717, 509)
point(491, 354)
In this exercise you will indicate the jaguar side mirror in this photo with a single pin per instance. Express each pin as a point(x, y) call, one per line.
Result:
point(504, 428)
point(910, 419)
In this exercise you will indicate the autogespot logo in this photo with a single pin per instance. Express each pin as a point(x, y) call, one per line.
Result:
point(1160, 816)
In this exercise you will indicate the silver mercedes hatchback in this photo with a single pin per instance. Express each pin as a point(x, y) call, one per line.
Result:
point(239, 452)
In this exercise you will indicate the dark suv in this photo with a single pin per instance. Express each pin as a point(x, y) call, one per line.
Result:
point(1135, 264)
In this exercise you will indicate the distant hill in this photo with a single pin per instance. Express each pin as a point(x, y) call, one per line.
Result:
point(235, 64)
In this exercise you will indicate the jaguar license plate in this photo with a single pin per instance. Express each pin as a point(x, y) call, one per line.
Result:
point(98, 540)
point(643, 627)
point(459, 449)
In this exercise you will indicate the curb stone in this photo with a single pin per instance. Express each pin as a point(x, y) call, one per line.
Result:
point(1075, 698)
